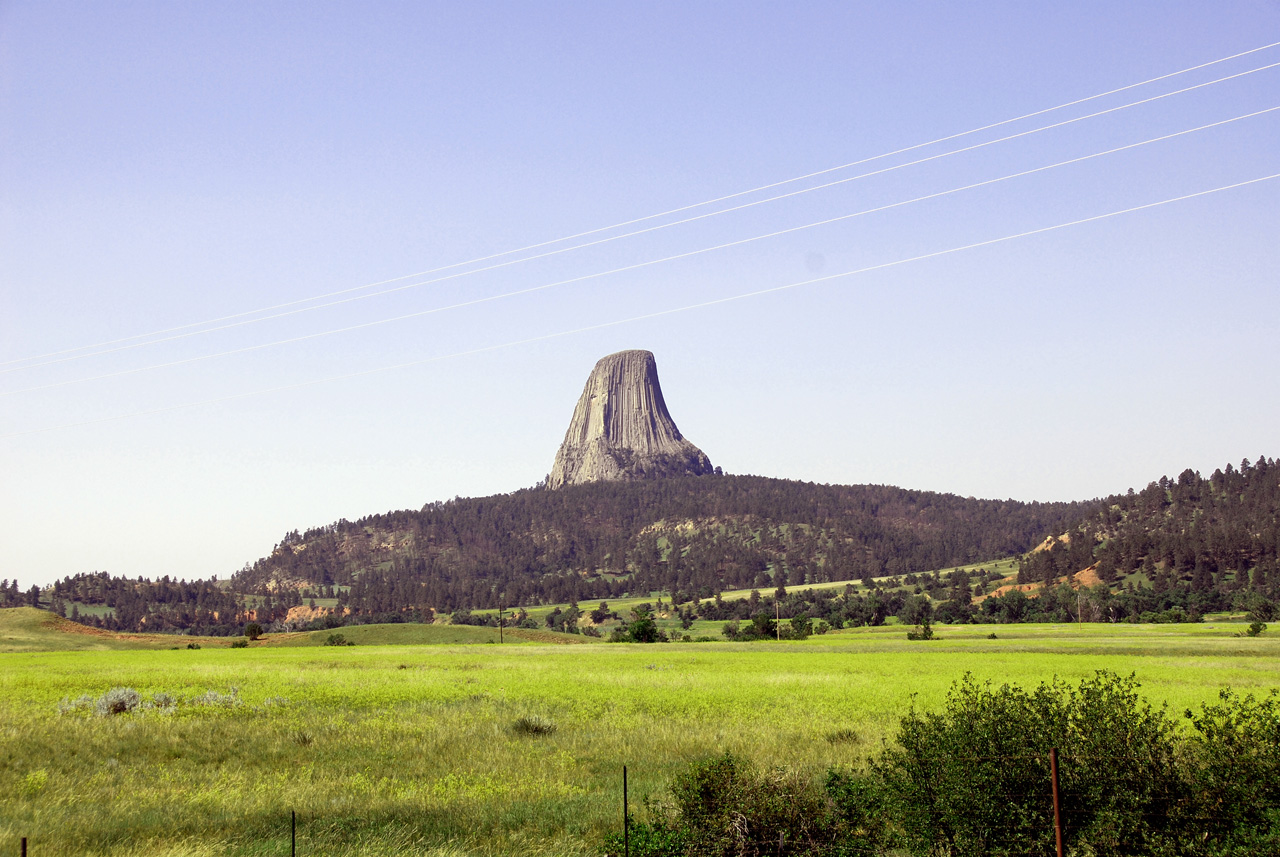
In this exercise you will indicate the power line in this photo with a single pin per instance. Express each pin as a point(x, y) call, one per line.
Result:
point(635, 266)
point(466, 303)
point(646, 316)
point(664, 225)
point(478, 260)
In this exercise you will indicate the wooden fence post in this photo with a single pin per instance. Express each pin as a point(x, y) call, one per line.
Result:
point(1057, 812)
point(626, 817)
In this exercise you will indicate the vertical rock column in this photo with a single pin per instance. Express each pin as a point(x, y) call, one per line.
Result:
point(621, 428)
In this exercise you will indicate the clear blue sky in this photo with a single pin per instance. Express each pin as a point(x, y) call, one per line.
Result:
point(163, 164)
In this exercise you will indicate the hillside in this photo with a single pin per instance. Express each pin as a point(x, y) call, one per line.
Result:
point(1193, 544)
point(26, 629)
point(689, 536)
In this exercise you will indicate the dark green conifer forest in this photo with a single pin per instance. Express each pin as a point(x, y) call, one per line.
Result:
point(1171, 552)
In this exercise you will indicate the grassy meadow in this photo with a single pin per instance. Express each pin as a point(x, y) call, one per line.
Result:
point(426, 739)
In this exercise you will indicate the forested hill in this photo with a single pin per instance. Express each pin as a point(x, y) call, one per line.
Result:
point(1212, 535)
point(1185, 546)
point(688, 536)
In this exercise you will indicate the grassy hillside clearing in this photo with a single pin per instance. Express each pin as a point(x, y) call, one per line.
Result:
point(26, 629)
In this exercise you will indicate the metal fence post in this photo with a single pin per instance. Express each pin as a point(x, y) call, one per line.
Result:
point(293, 833)
point(626, 817)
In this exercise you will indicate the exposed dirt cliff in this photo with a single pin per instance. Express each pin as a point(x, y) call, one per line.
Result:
point(621, 428)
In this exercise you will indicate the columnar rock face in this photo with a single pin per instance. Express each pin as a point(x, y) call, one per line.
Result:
point(621, 428)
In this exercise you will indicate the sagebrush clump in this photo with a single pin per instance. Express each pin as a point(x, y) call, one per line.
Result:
point(118, 700)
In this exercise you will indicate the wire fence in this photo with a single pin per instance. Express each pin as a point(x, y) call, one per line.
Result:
point(995, 821)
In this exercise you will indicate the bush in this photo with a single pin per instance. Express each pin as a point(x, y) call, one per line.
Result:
point(532, 724)
point(923, 631)
point(84, 702)
point(213, 699)
point(239, 644)
point(253, 630)
point(164, 701)
point(1234, 761)
point(193, 645)
point(118, 700)
point(726, 806)
point(1119, 779)
point(337, 640)
point(974, 779)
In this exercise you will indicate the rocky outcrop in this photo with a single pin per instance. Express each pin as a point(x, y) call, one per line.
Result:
point(621, 428)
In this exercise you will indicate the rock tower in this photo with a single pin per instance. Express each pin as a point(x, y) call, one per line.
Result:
point(621, 428)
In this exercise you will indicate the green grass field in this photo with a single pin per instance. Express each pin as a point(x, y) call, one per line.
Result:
point(406, 743)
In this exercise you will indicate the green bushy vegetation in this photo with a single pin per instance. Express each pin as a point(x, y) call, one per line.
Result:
point(974, 780)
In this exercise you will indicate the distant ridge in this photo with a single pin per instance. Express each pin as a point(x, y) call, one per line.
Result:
point(621, 428)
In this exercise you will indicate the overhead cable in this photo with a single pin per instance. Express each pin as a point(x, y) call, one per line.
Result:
point(646, 316)
point(321, 297)
point(634, 266)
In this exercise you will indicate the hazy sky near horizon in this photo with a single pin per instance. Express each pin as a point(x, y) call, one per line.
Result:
point(163, 165)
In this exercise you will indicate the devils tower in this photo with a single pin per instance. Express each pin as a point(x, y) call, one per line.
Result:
point(621, 428)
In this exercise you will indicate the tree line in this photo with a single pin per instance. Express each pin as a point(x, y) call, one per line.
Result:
point(1175, 550)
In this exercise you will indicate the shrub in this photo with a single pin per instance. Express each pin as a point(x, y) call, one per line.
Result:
point(923, 631)
point(163, 701)
point(84, 702)
point(727, 806)
point(801, 626)
point(532, 724)
point(193, 645)
point(253, 630)
point(1256, 629)
point(213, 699)
point(974, 779)
point(644, 629)
point(337, 640)
point(239, 644)
point(1119, 778)
point(118, 700)
point(646, 840)
point(1234, 761)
